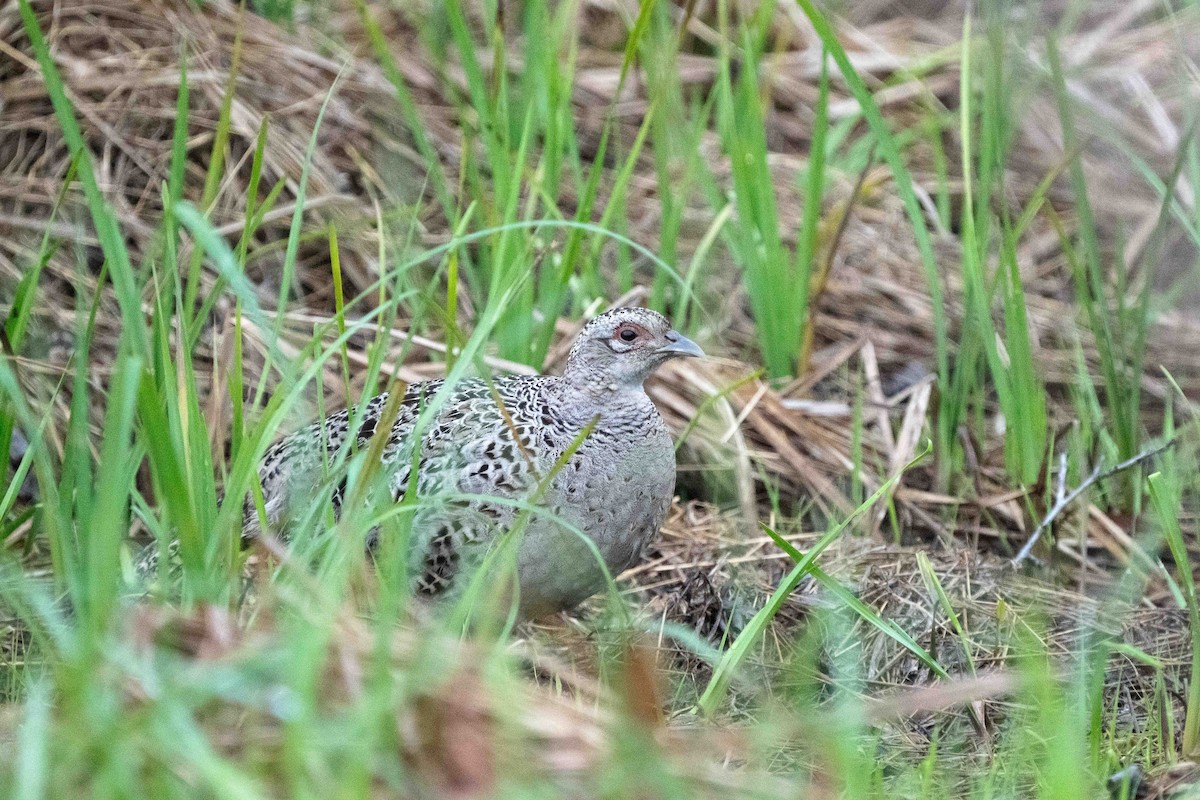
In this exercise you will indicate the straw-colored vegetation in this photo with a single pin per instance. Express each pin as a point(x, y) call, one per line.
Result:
point(938, 486)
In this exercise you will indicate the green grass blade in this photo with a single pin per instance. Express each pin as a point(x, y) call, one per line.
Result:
point(1164, 495)
point(112, 242)
point(714, 693)
point(888, 148)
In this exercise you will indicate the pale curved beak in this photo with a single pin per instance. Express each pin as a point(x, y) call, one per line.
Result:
point(680, 345)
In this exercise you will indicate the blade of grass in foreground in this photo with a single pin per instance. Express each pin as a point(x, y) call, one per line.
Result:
point(108, 524)
point(1164, 494)
point(33, 743)
point(24, 301)
point(723, 674)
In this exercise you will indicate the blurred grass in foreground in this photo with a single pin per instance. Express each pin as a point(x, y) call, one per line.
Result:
point(324, 686)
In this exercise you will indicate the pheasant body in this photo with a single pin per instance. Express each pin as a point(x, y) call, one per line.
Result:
point(582, 455)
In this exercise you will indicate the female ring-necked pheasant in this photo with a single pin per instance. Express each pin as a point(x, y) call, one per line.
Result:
point(493, 442)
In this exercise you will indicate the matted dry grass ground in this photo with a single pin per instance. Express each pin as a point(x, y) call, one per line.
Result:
point(121, 62)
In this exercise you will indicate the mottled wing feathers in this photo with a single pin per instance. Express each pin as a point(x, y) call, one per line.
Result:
point(294, 466)
point(486, 439)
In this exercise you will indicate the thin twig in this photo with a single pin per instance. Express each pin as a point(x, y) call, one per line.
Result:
point(1096, 476)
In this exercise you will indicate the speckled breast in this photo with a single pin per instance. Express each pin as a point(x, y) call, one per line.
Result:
point(615, 494)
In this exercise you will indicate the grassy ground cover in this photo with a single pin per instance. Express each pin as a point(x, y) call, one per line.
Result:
point(938, 484)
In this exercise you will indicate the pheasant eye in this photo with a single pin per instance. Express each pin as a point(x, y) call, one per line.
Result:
point(628, 334)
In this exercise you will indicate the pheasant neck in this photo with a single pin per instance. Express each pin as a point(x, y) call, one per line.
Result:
point(584, 401)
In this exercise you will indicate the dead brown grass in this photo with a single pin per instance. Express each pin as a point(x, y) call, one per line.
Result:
point(121, 60)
